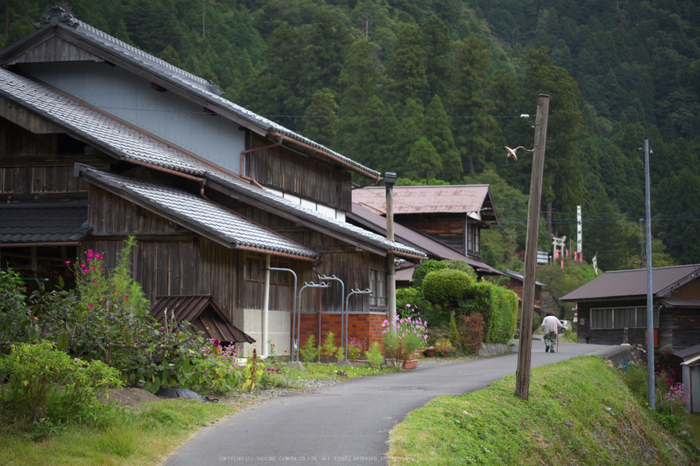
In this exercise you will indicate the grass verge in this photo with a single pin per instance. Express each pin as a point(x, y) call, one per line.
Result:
point(569, 419)
point(143, 437)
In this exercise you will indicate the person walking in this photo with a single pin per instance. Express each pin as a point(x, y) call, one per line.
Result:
point(550, 327)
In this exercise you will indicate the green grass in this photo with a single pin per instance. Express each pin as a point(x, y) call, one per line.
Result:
point(144, 437)
point(579, 412)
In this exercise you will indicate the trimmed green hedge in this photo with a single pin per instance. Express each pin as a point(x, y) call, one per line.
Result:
point(499, 308)
point(446, 288)
point(424, 269)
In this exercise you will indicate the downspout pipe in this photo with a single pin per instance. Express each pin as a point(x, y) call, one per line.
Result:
point(266, 308)
point(390, 180)
point(294, 306)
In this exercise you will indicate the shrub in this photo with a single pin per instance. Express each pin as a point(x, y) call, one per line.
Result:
point(446, 288)
point(355, 348)
point(471, 333)
point(46, 384)
point(463, 266)
point(499, 308)
point(328, 347)
point(424, 269)
point(309, 352)
point(404, 338)
point(444, 347)
point(374, 355)
point(409, 300)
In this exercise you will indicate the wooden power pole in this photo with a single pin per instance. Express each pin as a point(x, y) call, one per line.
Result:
point(522, 384)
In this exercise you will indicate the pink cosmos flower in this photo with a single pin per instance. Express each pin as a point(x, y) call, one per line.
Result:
point(90, 305)
point(67, 262)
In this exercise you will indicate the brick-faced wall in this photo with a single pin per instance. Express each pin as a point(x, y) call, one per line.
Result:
point(363, 326)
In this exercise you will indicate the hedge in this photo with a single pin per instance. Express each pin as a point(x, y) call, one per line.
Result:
point(424, 269)
point(447, 288)
point(499, 308)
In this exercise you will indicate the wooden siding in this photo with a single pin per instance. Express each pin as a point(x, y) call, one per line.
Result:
point(54, 50)
point(689, 290)
point(27, 119)
point(448, 229)
point(173, 261)
point(678, 328)
point(16, 141)
point(685, 328)
point(338, 258)
point(288, 171)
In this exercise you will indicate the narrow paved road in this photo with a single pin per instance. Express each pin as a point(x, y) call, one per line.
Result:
point(350, 423)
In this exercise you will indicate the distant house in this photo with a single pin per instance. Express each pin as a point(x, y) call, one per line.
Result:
point(100, 140)
point(616, 301)
point(516, 281)
point(451, 215)
point(434, 249)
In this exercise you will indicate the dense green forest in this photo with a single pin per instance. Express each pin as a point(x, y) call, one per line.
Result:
point(434, 89)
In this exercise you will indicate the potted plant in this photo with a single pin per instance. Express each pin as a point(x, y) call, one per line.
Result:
point(403, 339)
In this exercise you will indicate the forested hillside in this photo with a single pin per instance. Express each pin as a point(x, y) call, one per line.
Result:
point(433, 90)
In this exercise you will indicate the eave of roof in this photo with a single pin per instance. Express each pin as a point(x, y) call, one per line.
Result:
point(631, 284)
point(180, 81)
point(463, 199)
point(414, 238)
point(30, 223)
point(191, 308)
point(283, 207)
point(197, 214)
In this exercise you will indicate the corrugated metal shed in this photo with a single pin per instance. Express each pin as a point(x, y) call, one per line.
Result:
point(430, 200)
point(203, 313)
point(633, 283)
point(43, 223)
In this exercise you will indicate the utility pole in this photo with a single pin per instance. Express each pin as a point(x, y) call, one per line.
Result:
point(390, 181)
point(522, 384)
point(650, 298)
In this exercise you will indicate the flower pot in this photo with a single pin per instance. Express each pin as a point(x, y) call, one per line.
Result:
point(410, 364)
point(430, 352)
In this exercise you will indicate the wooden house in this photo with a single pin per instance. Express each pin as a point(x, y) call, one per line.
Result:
point(451, 215)
point(434, 249)
point(118, 142)
point(615, 303)
point(516, 281)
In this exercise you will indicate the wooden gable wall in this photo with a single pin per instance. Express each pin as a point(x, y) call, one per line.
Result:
point(32, 164)
point(283, 169)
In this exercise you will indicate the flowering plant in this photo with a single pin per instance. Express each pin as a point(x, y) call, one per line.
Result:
point(404, 337)
point(355, 346)
point(671, 397)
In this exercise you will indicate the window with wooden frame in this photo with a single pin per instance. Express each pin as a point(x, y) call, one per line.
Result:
point(473, 238)
point(622, 317)
point(377, 283)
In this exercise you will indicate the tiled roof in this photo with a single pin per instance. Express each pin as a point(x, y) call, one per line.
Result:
point(633, 283)
point(101, 130)
point(198, 214)
point(40, 223)
point(519, 277)
point(315, 216)
point(195, 84)
point(203, 313)
point(425, 199)
point(423, 242)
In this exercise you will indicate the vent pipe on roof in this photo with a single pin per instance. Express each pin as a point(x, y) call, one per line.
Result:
point(390, 180)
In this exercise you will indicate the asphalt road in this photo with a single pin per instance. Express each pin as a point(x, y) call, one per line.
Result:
point(350, 423)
